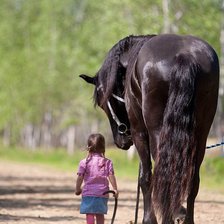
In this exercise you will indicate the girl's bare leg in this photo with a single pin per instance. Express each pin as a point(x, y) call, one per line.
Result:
point(90, 218)
point(99, 218)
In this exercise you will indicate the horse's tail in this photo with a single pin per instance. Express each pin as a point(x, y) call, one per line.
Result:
point(174, 164)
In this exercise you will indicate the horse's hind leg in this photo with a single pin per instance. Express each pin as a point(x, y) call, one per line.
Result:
point(195, 183)
point(141, 143)
point(191, 199)
point(201, 145)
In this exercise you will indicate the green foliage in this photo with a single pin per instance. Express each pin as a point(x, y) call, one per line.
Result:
point(46, 44)
point(203, 20)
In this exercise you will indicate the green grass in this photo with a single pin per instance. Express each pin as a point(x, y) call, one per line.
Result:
point(212, 169)
point(212, 173)
point(59, 159)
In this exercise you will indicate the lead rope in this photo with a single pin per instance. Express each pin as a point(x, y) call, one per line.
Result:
point(115, 204)
point(215, 145)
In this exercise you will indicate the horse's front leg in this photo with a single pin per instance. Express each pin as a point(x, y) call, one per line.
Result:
point(141, 143)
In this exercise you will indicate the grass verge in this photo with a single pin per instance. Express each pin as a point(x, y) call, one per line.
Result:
point(211, 173)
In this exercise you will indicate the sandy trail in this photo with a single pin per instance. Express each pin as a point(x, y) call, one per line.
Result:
point(40, 195)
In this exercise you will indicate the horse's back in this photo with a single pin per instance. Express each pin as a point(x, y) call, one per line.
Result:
point(161, 51)
point(159, 55)
point(155, 63)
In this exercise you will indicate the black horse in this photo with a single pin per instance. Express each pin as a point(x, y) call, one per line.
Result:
point(160, 93)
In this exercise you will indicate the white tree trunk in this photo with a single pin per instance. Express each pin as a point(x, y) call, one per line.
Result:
point(166, 17)
point(46, 131)
point(28, 136)
point(6, 137)
point(71, 140)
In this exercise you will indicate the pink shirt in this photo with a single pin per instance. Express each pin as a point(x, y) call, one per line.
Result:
point(95, 170)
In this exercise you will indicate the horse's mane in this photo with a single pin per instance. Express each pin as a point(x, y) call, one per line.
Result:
point(111, 66)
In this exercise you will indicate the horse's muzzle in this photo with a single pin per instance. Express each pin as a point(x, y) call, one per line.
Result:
point(124, 141)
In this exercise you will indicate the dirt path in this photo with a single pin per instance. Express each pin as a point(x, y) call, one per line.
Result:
point(39, 195)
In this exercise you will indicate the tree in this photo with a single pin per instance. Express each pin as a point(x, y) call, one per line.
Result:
point(45, 45)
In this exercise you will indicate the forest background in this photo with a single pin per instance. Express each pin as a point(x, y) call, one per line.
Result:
point(46, 44)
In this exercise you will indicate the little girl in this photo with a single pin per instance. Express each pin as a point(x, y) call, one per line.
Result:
point(95, 170)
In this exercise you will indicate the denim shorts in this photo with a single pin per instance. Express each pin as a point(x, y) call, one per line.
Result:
point(93, 205)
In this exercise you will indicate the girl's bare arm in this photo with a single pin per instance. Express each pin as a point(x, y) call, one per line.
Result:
point(113, 182)
point(79, 181)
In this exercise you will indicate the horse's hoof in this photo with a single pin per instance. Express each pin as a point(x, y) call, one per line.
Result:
point(180, 216)
point(179, 220)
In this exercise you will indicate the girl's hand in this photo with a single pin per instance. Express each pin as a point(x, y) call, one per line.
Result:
point(116, 193)
point(78, 191)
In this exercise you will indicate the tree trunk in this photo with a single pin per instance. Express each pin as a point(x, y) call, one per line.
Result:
point(6, 136)
point(71, 140)
point(46, 131)
point(27, 136)
point(166, 17)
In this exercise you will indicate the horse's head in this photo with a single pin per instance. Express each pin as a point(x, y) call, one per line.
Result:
point(114, 106)
point(109, 87)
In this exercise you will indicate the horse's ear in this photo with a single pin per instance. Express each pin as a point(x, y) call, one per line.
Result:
point(91, 80)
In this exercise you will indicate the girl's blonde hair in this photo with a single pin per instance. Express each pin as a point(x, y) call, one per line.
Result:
point(96, 143)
